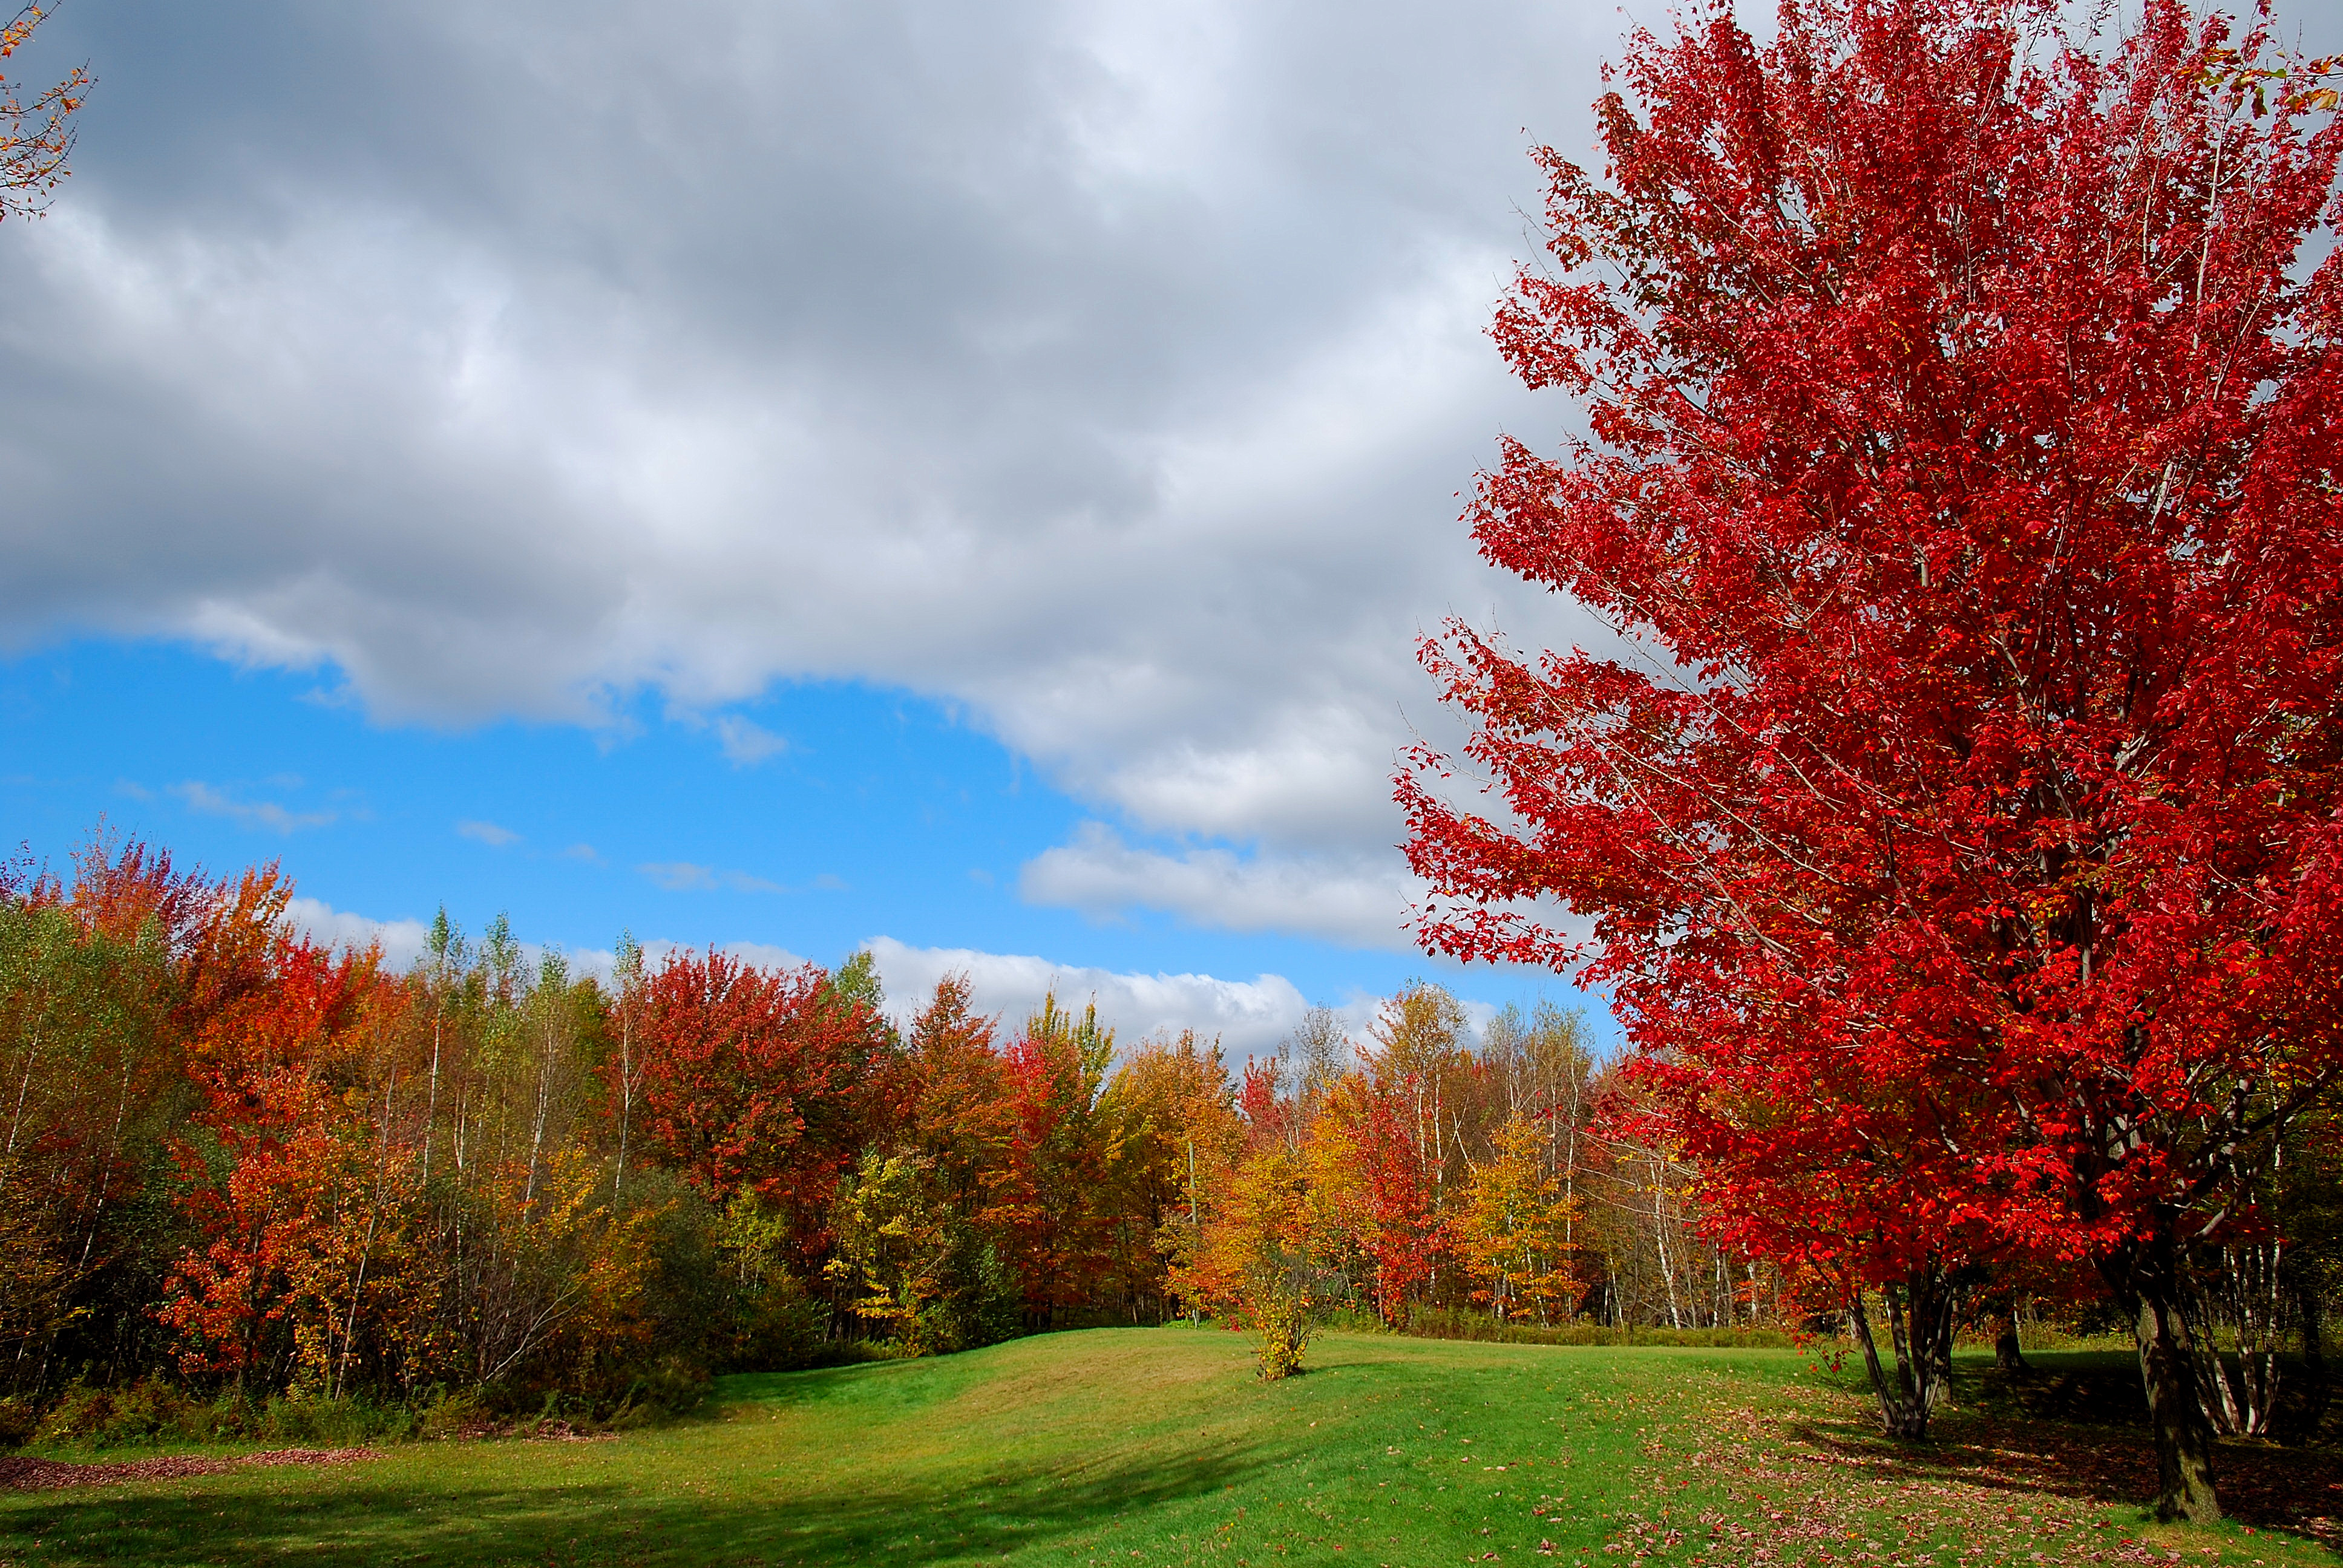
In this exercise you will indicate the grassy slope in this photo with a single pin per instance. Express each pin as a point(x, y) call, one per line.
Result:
point(1155, 1446)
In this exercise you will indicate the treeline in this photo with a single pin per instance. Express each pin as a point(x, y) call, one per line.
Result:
point(1419, 1175)
point(252, 1165)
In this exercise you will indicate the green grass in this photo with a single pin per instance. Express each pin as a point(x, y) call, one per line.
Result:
point(1155, 1446)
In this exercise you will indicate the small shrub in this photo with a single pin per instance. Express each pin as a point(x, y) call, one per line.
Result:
point(670, 1387)
point(344, 1422)
point(456, 1414)
point(1282, 1324)
point(135, 1415)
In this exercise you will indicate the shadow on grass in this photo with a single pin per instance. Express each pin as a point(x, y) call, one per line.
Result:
point(355, 1519)
point(2298, 1490)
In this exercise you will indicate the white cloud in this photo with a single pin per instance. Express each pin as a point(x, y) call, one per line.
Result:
point(487, 833)
point(684, 876)
point(199, 796)
point(402, 941)
point(1356, 902)
point(602, 963)
point(1249, 1017)
point(764, 955)
point(746, 744)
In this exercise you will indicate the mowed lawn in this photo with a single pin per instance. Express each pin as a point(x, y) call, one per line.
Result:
point(1156, 1446)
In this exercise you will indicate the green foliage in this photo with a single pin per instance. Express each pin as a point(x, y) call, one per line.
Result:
point(89, 1093)
point(153, 1414)
point(855, 982)
point(769, 1322)
point(913, 1264)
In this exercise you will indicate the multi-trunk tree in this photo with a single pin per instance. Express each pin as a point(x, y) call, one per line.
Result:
point(1958, 806)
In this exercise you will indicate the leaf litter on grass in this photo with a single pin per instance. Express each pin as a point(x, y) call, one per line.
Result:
point(20, 1472)
point(1812, 1482)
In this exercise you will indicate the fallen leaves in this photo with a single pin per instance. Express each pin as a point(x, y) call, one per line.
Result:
point(18, 1474)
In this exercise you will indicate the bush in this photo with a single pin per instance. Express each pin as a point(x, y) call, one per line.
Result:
point(345, 1422)
point(1282, 1324)
point(137, 1414)
point(773, 1325)
point(672, 1387)
point(458, 1414)
point(153, 1414)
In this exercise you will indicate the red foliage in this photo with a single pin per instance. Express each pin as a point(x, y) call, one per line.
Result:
point(1054, 1202)
point(262, 1149)
point(751, 1080)
point(1402, 1233)
point(1269, 1118)
point(1967, 860)
point(953, 1098)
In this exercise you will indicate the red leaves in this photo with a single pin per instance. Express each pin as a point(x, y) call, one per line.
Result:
point(751, 1077)
point(1958, 838)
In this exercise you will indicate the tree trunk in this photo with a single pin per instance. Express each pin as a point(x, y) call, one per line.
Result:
point(1920, 1315)
point(2148, 1279)
point(1937, 1347)
point(2259, 1303)
point(2314, 1353)
point(2008, 1353)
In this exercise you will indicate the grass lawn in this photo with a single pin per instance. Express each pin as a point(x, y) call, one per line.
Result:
point(1155, 1446)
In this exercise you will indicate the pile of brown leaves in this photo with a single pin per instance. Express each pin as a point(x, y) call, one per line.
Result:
point(18, 1474)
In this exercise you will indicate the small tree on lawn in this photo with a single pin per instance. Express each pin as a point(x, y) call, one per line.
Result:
point(1966, 480)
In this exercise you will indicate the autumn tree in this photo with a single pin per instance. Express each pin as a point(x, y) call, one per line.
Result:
point(1265, 1256)
point(1960, 476)
point(1514, 1226)
point(924, 1224)
point(36, 135)
point(1059, 1154)
point(751, 1079)
point(1381, 1192)
point(919, 1266)
point(90, 1086)
point(952, 1100)
point(1173, 1109)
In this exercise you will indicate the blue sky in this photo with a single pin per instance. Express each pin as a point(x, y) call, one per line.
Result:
point(825, 815)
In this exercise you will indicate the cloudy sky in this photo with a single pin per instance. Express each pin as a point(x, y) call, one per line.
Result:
point(962, 478)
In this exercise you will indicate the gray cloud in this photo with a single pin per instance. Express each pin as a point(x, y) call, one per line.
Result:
point(1108, 369)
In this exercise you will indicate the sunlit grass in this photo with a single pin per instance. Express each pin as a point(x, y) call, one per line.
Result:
point(1157, 1446)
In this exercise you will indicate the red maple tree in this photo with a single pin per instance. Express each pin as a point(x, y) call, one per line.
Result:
point(1399, 1227)
point(1961, 477)
point(752, 1080)
point(1059, 1153)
